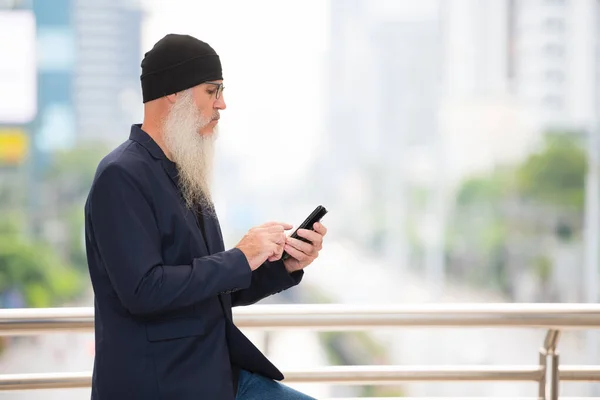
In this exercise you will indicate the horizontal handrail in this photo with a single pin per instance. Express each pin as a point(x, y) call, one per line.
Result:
point(347, 375)
point(580, 373)
point(380, 374)
point(337, 316)
point(553, 317)
point(36, 381)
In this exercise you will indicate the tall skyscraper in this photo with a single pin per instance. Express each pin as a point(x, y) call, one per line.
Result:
point(87, 79)
point(89, 55)
point(514, 69)
point(540, 52)
point(107, 71)
point(384, 82)
point(475, 48)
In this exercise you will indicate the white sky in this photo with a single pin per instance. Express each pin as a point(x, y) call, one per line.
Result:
point(273, 57)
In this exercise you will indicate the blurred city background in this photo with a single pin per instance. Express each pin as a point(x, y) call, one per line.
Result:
point(454, 142)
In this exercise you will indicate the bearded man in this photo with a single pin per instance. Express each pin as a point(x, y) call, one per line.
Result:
point(164, 284)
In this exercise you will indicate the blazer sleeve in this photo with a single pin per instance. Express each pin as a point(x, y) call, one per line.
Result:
point(269, 279)
point(128, 241)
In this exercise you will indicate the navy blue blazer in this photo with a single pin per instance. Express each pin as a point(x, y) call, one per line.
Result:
point(164, 286)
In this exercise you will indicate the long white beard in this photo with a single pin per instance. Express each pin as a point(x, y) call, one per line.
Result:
point(192, 152)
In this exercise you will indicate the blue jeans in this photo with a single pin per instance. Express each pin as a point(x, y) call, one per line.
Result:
point(256, 387)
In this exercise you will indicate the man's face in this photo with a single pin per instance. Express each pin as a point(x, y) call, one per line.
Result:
point(209, 101)
point(190, 131)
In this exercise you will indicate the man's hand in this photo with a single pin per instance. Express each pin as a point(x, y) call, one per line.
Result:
point(264, 242)
point(302, 254)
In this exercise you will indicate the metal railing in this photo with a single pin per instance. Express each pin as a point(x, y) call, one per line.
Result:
point(547, 374)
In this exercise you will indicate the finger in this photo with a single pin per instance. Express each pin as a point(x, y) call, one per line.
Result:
point(279, 252)
point(284, 225)
point(304, 247)
point(320, 228)
point(281, 240)
point(277, 237)
point(312, 236)
point(295, 253)
point(275, 229)
point(272, 229)
point(276, 251)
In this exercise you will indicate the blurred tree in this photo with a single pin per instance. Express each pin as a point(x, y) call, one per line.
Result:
point(556, 173)
point(72, 171)
point(44, 270)
point(34, 271)
point(10, 224)
point(486, 190)
point(68, 180)
point(502, 221)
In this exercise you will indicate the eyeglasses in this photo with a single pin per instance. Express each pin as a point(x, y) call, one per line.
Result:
point(220, 88)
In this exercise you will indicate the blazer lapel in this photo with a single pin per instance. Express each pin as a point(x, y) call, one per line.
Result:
point(190, 216)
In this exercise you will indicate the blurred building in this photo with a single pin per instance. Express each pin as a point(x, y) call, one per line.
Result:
point(482, 121)
point(556, 60)
point(542, 52)
point(476, 48)
point(383, 77)
point(107, 86)
point(74, 74)
point(88, 69)
point(512, 70)
point(419, 96)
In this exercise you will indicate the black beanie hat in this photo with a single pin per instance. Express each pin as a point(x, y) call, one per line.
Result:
point(176, 63)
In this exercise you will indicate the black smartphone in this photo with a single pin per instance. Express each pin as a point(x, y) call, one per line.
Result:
point(308, 223)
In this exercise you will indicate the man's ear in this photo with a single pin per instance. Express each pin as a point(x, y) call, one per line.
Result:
point(171, 98)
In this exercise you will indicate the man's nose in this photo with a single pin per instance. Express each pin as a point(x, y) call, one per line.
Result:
point(220, 103)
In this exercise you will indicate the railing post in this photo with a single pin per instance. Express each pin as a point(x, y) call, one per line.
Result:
point(549, 383)
point(542, 383)
point(554, 377)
